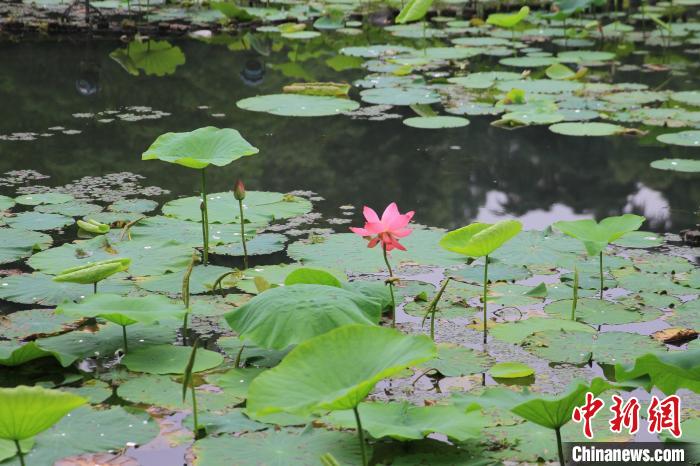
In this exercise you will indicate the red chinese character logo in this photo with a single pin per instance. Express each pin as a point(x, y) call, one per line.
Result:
point(665, 415)
point(626, 415)
point(587, 412)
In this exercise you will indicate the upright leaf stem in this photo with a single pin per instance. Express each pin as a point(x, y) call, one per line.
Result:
point(560, 449)
point(574, 302)
point(391, 286)
point(205, 220)
point(243, 240)
point(486, 281)
point(20, 454)
point(360, 436)
point(126, 344)
point(601, 273)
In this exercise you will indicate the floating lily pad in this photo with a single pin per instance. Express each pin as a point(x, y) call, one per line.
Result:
point(682, 138)
point(457, 361)
point(409, 95)
point(43, 198)
point(234, 422)
point(687, 97)
point(40, 289)
point(686, 315)
point(436, 122)
point(38, 221)
point(169, 359)
point(599, 312)
point(374, 51)
point(16, 244)
point(528, 62)
point(134, 205)
point(69, 209)
point(201, 280)
point(6, 203)
point(162, 229)
point(124, 311)
point(33, 322)
point(677, 165)
point(661, 263)
point(510, 370)
point(586, 129)
point(298, 105)
point(515, 332)
point(640, 239)
point(266, 243)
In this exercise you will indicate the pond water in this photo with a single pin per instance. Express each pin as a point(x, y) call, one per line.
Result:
point(450, 176)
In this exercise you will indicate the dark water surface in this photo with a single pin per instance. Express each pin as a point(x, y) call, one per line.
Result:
point(450, 176)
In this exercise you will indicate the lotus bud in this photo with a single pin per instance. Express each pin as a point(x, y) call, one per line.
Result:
point(239, 190)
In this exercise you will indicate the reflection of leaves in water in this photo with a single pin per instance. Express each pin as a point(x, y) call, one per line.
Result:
point(157, 58)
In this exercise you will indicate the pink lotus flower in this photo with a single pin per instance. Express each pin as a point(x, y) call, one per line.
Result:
point(386, 230)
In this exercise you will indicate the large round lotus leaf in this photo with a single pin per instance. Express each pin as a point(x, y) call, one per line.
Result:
point(457, 361)
point(687, 97)
point(409, 95)
point(234, 422)
point(447, 53)
point(89, 430)
point(266, 243)
point(524, 442)
point(661, 263)
point(557, 291)
point(86, 344)
point(508, 294)
point(235, 381)
point(259, 207)
point(277, 448)
point(9, 450)
point(374, 51)
point(32, 322)
point(678, 165)
point(596, 236)
point(272, 274)
point(69, 209)
point(202, 280)
point(39, 288)
point(252, 355)
point(124, 310)
point(289, 315)
point(200, 148)
point(306, 275)
point(654, 300)
point(169, 359)
point(28, 411)
point(682, 138)
point(133, 205)
point(686, 315)
point(160, 229)
point(13, 354)
point(43, 198)
point(497, 272)
point(510, 370)
point(298, 105)
point(301, 35)
point(634, 98)
point(640, 239)
point(6, 203)
point(515, 332)
point(383, 80)
point(599, 312)
point(147, 257)
point(633, 280)
point(38, 221)
point(528, 62)
point(481, 41)
point(436, 122)
point(336, 370)
point(94, 390)
point(453, 303)
point(540, 86)
point(586, 129)
point(534, 248)
point(16, 244)
point(162, 391)
point(579, 347)
point(480, 239)
point(348, 252)
point(473, 81)
point(585, 56)
point(404, 421)
point(666, 371)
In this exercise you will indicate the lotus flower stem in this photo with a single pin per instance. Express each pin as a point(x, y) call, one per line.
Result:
point(205, 220)
point(126, 344)
point(360, 436)
point(391, 287)
point(559, 447)
point(243, 240)
point(20, 454)
point(486, 282)
point(574, 303)
point(194, 410)
point(237, 362)
point(432, 307)
point(601, 274)
point(186, 297)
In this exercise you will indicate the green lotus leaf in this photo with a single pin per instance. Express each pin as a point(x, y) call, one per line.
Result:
point(585, 56)
point(153, 57)
point(559, 71)
point(284, 316)
point(336, 370)
point(161, 229)
point(16, 244)
point(669, 371)
point(686, 315)
point(41, 289)
point(277, 448)
point(510, 370)
point(497, 272)
point(640, 239)
point(586, 129)
point(202, 280)
point(133, 205)
point(94, 390)
point(200, 148)
point(265, 243)
point(261, 208)
point(28, 411)
point(600, 312)
point(677, 165)
point(44, 199)
point(124, 310)
point(436, 122)
point(236, 381)
point(554, 412)
point(508, 20)
point(31, 323)
point(93, 226)
point(309, 276)
point(408, 95)
point(403, 421)
point(69, 209)
point(234, 422)
point(298, 105)
point(413, 10)
point(457, 361)
point(528, 62)
point(169, 359)
point(6, 203)
point(480, 239)
point(15, 354)
point(515, 332)
point(682, 138)
point(38, 221)
point(93, 272)
point(596, 236)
